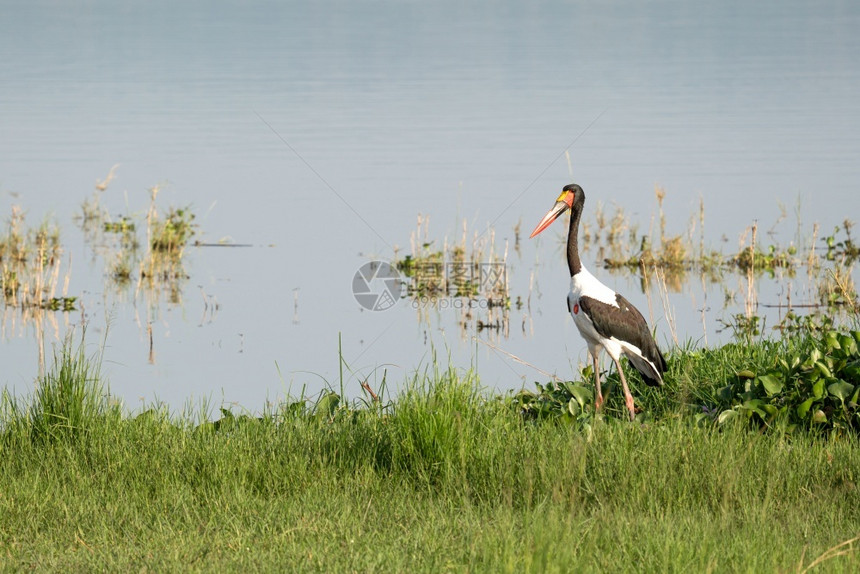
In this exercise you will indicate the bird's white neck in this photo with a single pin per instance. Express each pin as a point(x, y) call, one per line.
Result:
point(585, 284)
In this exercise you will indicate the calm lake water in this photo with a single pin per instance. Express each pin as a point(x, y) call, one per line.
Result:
point(317, 132)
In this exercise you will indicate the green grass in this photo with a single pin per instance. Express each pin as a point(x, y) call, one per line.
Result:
point(443, 477)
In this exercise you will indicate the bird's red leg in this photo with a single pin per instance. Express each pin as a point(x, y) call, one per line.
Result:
point(599, 402)
point(628, 398)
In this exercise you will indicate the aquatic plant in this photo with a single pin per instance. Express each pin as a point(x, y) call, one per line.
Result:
point(619, 246)
point(158, 269)
point(171, 233)
point(466, 273)
point(460, 268)
point(31, 260)
point(815, 385)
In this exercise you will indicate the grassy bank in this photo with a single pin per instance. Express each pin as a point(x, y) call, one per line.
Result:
point(442, 477)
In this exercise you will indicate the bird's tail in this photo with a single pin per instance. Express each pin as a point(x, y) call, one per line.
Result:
point(651, 369)
point(658, 382)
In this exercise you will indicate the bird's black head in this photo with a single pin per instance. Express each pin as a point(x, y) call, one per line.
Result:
point(571, 194)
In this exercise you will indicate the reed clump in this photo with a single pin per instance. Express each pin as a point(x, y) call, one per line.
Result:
point(468, 267)
point(466, 273)
point(618, 245)
point(154, 264)
point(32, 261)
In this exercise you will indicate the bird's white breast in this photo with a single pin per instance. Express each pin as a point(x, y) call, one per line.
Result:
point(586, 284)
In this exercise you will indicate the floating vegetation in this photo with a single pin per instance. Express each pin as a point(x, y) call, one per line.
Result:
point(467, 269)
point(64, 304)
point(828, 261)
point(158, 268)
point(31, 260)
point(466, 274)
point(123, 226)
point(170, 234)
point(619, 245)
point(35, 268)
point(839, 248)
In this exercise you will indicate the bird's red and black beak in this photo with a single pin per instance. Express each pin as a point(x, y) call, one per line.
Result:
point(562, 204)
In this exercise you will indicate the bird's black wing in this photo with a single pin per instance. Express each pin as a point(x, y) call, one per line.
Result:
point(625, 323)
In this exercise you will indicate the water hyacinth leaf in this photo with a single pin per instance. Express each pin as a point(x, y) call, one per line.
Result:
point(804, 407)
point(812, 377)
point(573, 407)
point(208, 426)
point(726, 416)
point(819, 417)
point(146, 415)
point(226, 422)
point(832, 340)
point(327, 404)
point(823, 369)
point(818, 389)
point(746, 374)
point(583, 395)
point(771, 410)
point(848, 344)
point(841, 390)
point(755, 405)
point(851, 372)
point(814, 356)
point(772, 384)
point(726, 393)
point(296, 408)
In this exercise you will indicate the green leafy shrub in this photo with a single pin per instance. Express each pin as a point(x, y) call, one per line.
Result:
point(564, 401)
point(815, 385)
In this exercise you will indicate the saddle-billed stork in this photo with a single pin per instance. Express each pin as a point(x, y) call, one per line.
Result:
point(604, 318)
